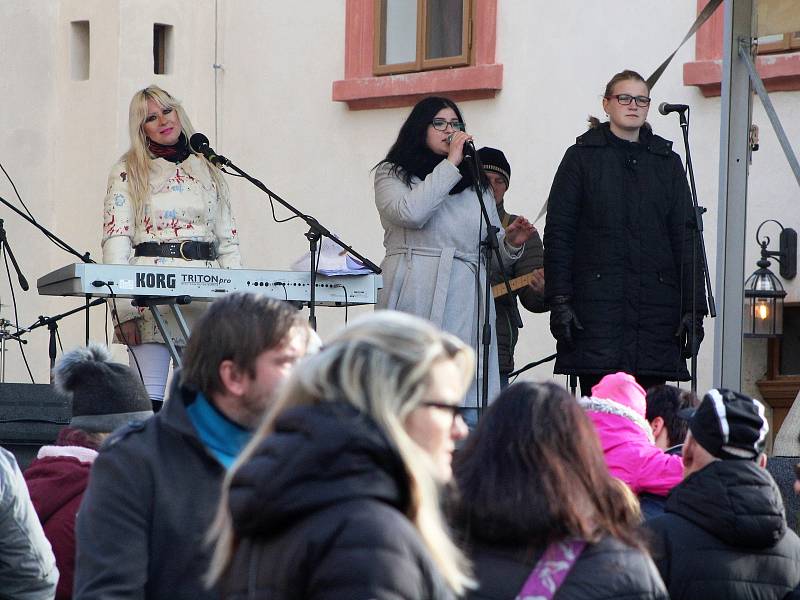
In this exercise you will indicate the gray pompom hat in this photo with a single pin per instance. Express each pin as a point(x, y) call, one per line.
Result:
point(105, 394)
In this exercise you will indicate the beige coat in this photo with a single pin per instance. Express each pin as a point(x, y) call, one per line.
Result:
point(184, 204)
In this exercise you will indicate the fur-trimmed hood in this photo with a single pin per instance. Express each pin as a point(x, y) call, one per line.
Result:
point(629, 448)
point(611, 407)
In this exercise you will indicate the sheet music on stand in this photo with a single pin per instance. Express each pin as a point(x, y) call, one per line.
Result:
point(332, 261)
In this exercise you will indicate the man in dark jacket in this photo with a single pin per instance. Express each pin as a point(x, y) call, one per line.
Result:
point(724, 532)
point(526, 275)
point(154, 488)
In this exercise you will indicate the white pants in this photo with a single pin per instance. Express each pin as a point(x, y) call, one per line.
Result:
point(154, 361)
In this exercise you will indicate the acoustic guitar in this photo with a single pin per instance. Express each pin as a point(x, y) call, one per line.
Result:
point(516, 283)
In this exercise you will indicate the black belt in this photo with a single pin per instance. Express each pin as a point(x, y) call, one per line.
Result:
point(187, 250)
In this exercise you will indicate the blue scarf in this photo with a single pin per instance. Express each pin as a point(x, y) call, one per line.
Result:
point(221, 436)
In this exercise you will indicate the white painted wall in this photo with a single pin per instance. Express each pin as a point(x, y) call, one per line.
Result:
point(276, 120)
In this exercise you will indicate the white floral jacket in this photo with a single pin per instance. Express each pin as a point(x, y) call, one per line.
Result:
point(184, 204)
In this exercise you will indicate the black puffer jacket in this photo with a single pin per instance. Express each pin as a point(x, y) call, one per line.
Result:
point(618, 242)
point(319, 512)
point(724, 536)
point(606, 570)
point(507, 331)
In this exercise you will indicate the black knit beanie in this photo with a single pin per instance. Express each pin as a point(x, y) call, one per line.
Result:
point(493, 159)
point(104, 394)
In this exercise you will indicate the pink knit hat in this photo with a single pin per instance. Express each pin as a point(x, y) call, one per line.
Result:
point(622, 388)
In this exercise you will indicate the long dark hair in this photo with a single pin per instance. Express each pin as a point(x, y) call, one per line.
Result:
point(410, 155)
point(533, 472)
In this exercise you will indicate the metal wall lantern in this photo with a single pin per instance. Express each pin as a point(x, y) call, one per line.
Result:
point(763, 291)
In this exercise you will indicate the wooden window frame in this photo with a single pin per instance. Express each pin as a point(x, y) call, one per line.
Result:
point(421, 63)
point(788, 43)
point(362, 90)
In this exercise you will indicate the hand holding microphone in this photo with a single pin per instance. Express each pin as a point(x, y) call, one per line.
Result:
point(460, 145)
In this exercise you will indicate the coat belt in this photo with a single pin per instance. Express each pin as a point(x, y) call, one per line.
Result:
point(446, 258)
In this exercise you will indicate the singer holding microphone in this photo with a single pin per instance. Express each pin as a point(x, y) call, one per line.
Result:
point(618, 249)
point(165, 205)
point(431, 216)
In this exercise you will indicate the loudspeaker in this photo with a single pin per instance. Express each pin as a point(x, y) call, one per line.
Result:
point(31, 415)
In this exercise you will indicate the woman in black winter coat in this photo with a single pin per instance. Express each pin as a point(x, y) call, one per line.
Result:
point(337, 494)
point(532, 474)
point(618, 249)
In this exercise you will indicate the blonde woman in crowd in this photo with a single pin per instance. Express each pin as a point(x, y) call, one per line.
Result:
point(337, 495)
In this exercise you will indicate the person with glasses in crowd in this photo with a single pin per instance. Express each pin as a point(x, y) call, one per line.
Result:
point(618, 249)
point(338, 494)
point(430, 213)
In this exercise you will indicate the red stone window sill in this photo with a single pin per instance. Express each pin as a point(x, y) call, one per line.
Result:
point(780, 72)
point(360, 89)
point(463, 83)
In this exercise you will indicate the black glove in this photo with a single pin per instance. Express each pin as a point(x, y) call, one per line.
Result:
point(684, 335)
point(562, 320)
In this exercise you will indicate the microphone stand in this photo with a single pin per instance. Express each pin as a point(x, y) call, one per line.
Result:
point(53, 238)
point(697, 234)
point(48, 234)
point(4, 323)
point(5, 335)
point(315, 231)
point(491, 248)
point(530, 365)
point(52, 327)
point(23, 283)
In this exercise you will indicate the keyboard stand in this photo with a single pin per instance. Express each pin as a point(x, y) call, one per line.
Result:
point(153, 302)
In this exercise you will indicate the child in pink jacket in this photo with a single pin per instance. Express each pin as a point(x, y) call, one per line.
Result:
point(617, 409)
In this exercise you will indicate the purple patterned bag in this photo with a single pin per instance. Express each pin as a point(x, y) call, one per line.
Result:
point(551, 570)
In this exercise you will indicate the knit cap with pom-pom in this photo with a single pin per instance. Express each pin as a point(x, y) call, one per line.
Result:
point(105, 394)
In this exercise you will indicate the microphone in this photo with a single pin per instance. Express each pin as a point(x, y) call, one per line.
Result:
point(199, 143)
point(665, 108)
point(469, 147)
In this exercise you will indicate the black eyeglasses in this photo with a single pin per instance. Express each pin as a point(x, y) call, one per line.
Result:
point(454, 409)
point(625, 99)
point(441, 125)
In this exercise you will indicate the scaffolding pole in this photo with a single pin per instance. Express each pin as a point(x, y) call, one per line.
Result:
point(736, 108)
